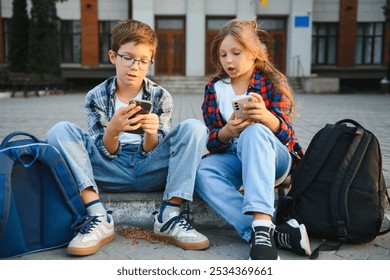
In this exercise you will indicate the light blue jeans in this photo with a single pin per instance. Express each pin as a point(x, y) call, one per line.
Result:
point(255, 160)
point(171, 166)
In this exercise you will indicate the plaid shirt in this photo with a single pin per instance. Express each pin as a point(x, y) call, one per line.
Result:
point(100, 108)
point(274, 100)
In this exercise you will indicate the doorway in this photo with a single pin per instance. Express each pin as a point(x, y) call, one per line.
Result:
point(171, 54)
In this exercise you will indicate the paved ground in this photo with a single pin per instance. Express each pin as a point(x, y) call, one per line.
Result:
point(37, 115)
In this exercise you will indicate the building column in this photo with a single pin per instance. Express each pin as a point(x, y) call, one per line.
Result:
point(90, 33)
point(246, 9)
point(347, 33)
point(299, 29)
point(195, 38)
point(143, 10)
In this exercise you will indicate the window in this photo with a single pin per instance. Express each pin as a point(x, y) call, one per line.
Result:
point(369, 43)
point(105, 28)
point(70, 41)
point(324, 43)
point(272, 23)
point(7, 37)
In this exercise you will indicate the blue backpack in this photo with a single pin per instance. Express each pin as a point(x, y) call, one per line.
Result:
point(39, 199)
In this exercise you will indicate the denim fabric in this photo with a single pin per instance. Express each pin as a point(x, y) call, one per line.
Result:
point(171, 166)
point(255, 160)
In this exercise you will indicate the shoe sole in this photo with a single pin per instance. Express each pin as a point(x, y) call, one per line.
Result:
point(278, 259)
point(305, 242)
point(89, 250)
point(186, 246)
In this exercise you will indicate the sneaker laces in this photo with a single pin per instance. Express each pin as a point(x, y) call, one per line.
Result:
point(183, 223)
point(283, 240)
point(263, 238)
point(87, 223)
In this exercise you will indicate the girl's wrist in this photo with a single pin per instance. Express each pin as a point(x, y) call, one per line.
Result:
point(223, 139)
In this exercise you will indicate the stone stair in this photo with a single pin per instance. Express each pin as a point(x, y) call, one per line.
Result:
point(192, 84)
point(182, 84)
point(296, 84)
point(135, 209)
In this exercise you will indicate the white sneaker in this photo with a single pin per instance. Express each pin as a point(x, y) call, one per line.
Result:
point(179, 232)
point(93, 233)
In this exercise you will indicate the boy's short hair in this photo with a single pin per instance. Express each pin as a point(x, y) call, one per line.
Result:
point(131, 30)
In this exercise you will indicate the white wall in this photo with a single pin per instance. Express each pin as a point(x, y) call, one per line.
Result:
point(274, 7)
point(246, 9)
point(218, 7)
point(69, 10)
point(143, 11)
point(195, 38)
point(113, 10)
point(370, 10)
point(299, 38)
point(170, 7)
point(326, 10)
point(6, 8)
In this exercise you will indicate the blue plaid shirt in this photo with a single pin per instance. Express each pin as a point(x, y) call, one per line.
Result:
point(100, 108)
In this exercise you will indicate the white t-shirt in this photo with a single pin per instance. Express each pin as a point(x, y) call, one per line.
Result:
point(124, 137)
point(225, 96)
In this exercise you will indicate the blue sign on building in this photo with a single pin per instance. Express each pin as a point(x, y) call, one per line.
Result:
point(301, 21)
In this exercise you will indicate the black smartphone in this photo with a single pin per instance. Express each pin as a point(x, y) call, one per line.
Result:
point(146, 108)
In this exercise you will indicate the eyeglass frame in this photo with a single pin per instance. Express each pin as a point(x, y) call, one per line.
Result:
point(141, 62)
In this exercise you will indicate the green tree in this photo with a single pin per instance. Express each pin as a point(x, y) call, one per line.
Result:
point(18, 55)
point(44, 49)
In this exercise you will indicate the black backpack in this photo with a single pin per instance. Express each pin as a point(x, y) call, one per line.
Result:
point(338, 190)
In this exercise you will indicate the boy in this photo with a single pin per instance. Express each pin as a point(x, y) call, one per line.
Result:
point(118, 160)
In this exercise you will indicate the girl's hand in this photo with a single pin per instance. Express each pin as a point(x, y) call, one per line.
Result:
point(259, 113)
point(233, 127)
point(256, 110)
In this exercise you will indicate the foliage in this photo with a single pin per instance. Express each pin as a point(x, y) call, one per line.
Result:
point(44, 49)
point(18, 55)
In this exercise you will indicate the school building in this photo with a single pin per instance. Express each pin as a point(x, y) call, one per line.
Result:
point(323, 44)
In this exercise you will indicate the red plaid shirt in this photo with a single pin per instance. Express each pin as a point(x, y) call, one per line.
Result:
point(276, 102)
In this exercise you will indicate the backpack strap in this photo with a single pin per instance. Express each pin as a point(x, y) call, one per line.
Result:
point(72, 198)
point(345, 174)
point(6, 140)
point(5, 190)
point(312, 162)
point(53, 159)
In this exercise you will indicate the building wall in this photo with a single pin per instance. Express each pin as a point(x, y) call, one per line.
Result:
point(298, 43)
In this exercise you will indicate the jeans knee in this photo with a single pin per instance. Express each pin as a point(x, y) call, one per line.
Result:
point(59, 131)
point(257, 131)
point(194, 127)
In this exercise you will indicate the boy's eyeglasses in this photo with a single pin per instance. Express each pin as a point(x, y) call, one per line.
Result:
point(129, 61)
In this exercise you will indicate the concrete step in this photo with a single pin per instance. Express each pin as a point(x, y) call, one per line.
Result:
point(182, 84)
point(191, 84)
point(135, 209)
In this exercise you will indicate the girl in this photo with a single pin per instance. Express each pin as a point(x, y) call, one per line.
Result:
point(258, 151)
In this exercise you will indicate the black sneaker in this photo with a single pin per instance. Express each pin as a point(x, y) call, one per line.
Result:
point(292, 235)
point(263, 244)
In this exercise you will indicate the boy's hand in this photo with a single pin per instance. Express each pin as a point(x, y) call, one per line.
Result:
point(150, 123)
point(123, 119)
